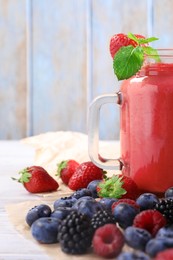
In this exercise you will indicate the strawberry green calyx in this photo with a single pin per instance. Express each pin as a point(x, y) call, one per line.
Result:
point(61, 166)
point(111, 187)
point(25, 176)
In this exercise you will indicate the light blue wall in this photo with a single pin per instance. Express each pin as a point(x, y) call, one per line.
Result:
point(54, 59)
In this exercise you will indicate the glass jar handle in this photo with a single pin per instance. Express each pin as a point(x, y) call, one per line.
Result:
point(93, 131)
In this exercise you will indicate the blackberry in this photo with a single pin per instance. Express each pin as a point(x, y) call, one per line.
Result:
point(75, 233)
point(165, 207)
point(102, 217)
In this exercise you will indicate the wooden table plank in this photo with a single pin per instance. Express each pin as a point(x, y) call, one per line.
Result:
point(14, 156)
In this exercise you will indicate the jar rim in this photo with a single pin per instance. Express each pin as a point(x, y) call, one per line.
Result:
point(163, 52)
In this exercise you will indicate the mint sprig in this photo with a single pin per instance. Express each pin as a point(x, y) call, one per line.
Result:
point(129, 59)
point(141, 40)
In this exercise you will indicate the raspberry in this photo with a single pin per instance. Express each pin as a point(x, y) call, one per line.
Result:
point(128, 201)
point(166, 255)
point(151, 220)
point(108, 241)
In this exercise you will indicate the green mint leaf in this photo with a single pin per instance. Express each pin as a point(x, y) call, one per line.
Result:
point(133, 37)
point(151, 52)
point(127, 61)
point(147, 40)
point(141, 40)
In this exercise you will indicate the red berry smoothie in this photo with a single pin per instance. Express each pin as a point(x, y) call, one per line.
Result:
point(147, 127)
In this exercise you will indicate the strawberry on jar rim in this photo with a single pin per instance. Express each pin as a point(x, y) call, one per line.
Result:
point(119, 40)
point(36, 179)
point(129, 53)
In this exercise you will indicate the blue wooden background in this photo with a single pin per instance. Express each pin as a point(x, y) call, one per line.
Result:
point(54, 59)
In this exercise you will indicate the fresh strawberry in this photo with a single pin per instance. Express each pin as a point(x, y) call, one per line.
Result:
point(108, 241)
point(119, 40)
point(36, 179)
point(118, 186)
point(66, 169)
point(151, 220)
point(132, 191)
point(84, 174)
point(128, 201)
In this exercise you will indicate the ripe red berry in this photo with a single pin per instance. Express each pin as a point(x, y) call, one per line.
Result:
point(118, 186)
point(84, 174)
point(151, 220)
point(119, 40)
point(165, 255)
point(66, 169)
point(36, 179)
point(108, 241)
point(132, 191)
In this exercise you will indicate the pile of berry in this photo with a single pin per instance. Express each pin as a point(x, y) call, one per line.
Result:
point(87, 221)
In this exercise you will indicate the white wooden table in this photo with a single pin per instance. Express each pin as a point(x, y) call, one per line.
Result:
point(14, 156)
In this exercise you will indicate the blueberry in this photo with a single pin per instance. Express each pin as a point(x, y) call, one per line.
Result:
point(88, 207)
point(165, 232)
point(133, 256)
point(137, 238)
point(169, 193)
point(78, 202)
point(124, 214)
point(64, 202)
point(107, 202)
point(92, 186)
point(37, 212)
point(147, 201)
point(156, 245)
point(81, 193)
point(45, 230)
point(61, 212)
